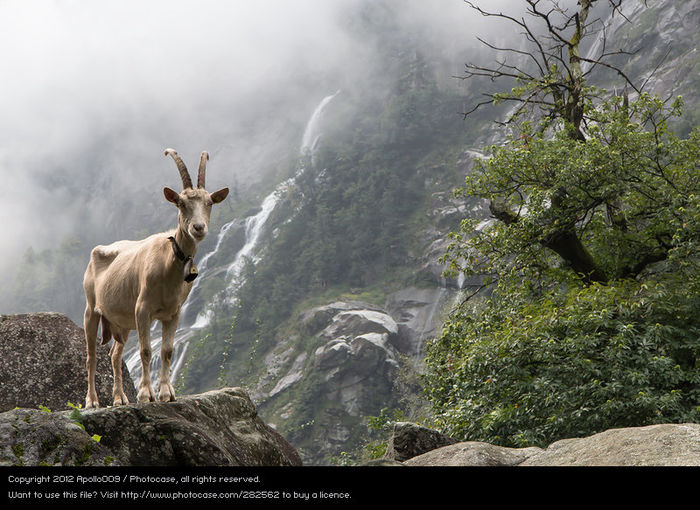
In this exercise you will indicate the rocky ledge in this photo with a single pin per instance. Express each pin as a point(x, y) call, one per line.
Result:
point(218, 428)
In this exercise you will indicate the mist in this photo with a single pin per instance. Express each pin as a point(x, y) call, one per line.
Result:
point(93, 92)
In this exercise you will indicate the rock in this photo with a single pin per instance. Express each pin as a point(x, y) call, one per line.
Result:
point(356, 360)
point(653, 445)
point(341, 369)
point(383, 463)
point(318, 318)
point(43, 363)
point(294, 374)
point(355, 370)
point(30, 437)
point(410, 440)
point(218, 428)
point(473, 453)
point(352, 322)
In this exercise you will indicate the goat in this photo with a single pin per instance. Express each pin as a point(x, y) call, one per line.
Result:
point(129, 284)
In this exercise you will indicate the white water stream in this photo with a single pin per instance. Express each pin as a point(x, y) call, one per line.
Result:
point(254, 226)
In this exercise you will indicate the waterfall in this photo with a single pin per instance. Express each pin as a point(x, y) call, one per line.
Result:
point(254, 226)
point(312, 133)
point(429, 323)
point(610, 26)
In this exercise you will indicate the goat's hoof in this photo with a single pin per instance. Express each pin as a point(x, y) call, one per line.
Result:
point(120, 401)
point(166, 393)
point(91, 403)
point(146, 396)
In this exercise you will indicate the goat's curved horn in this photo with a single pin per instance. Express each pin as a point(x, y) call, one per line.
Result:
point(184, 175)
point(202, 169)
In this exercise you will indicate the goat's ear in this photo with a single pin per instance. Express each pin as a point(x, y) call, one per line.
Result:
point(218, 196)
point(171, 195)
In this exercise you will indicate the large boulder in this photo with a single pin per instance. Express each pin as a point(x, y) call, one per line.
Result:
point(653, 445)
point(218, 428)
point(409, 440)
point(43, 364)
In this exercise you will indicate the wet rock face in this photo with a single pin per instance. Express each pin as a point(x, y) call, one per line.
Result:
point(218, 428)
point(43, 364)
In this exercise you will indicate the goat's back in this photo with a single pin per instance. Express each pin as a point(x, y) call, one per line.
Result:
point(117, 273)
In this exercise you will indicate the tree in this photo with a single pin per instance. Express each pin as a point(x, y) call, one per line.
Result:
point(591, 254)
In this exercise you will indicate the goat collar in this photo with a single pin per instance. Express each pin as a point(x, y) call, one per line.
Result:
point(190, 270)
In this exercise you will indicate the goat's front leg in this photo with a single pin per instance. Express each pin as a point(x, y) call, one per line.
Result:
point(143, 327)
point(166, 392)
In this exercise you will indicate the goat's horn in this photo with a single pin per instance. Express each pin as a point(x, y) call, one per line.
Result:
point(184, 175)
point(202, 169)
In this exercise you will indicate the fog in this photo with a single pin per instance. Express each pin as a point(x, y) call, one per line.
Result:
point(93, 92)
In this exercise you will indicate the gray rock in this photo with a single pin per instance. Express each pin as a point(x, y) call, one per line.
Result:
point(218, 428)
point(294, 375)
point(43, 363)
point(473, 453)
point(355, 370)
point(352, 322)
point(410, 440)
point(30, 437)
point(654, 445)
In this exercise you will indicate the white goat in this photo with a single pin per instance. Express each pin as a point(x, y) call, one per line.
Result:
point(129, 284)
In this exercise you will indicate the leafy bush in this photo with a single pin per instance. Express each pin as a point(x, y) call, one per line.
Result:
point(522, 373)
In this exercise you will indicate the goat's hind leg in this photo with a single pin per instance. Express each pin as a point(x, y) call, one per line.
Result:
point(143, 327)
point(90, 323)
point(115, 353)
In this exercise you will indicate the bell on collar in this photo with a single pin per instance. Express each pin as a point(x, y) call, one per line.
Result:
point(190, 271)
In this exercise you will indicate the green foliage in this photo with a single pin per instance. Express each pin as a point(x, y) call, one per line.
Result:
point(628, 195)
point(76, 415)
point(554, 353)
point(520, 372)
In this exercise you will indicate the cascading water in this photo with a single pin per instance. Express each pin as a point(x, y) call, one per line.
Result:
point(254, 226)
